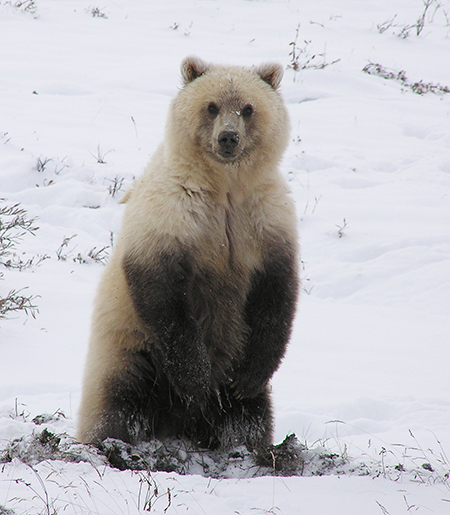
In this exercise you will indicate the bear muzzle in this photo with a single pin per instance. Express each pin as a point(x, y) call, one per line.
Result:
point(228, 142)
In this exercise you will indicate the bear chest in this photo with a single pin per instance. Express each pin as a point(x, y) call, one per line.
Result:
point(231, 242)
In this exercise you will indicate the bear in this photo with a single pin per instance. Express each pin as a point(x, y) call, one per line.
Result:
point(195, 307)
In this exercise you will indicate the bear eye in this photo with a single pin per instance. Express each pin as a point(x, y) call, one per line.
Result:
point(247, 111)
point(213, 110)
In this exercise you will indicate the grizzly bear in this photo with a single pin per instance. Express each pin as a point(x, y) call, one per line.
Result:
point(195, 308)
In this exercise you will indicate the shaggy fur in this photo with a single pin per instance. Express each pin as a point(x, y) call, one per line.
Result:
point(195, 307)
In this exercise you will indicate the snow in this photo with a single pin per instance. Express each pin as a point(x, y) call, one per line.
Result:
point(366, 375)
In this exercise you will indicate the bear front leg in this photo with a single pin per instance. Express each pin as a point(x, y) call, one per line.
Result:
point(270, 309)
point(161, 293)
point(232, 422)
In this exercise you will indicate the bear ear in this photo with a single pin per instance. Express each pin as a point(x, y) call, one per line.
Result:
point(272, 73)
point(192, 68)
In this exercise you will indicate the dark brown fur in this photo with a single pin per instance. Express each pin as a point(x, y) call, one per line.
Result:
point(175, 389)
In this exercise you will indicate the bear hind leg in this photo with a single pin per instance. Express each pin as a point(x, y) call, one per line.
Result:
point(128, 409)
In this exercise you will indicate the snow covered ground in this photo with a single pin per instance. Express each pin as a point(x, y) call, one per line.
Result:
point(84, 91)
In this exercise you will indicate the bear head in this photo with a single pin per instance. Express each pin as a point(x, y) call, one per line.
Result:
point(228, 116)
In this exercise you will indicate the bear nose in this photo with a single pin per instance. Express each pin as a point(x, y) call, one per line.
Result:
point(228, 141)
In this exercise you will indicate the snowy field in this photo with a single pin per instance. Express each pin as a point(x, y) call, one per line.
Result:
point(84, 92)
